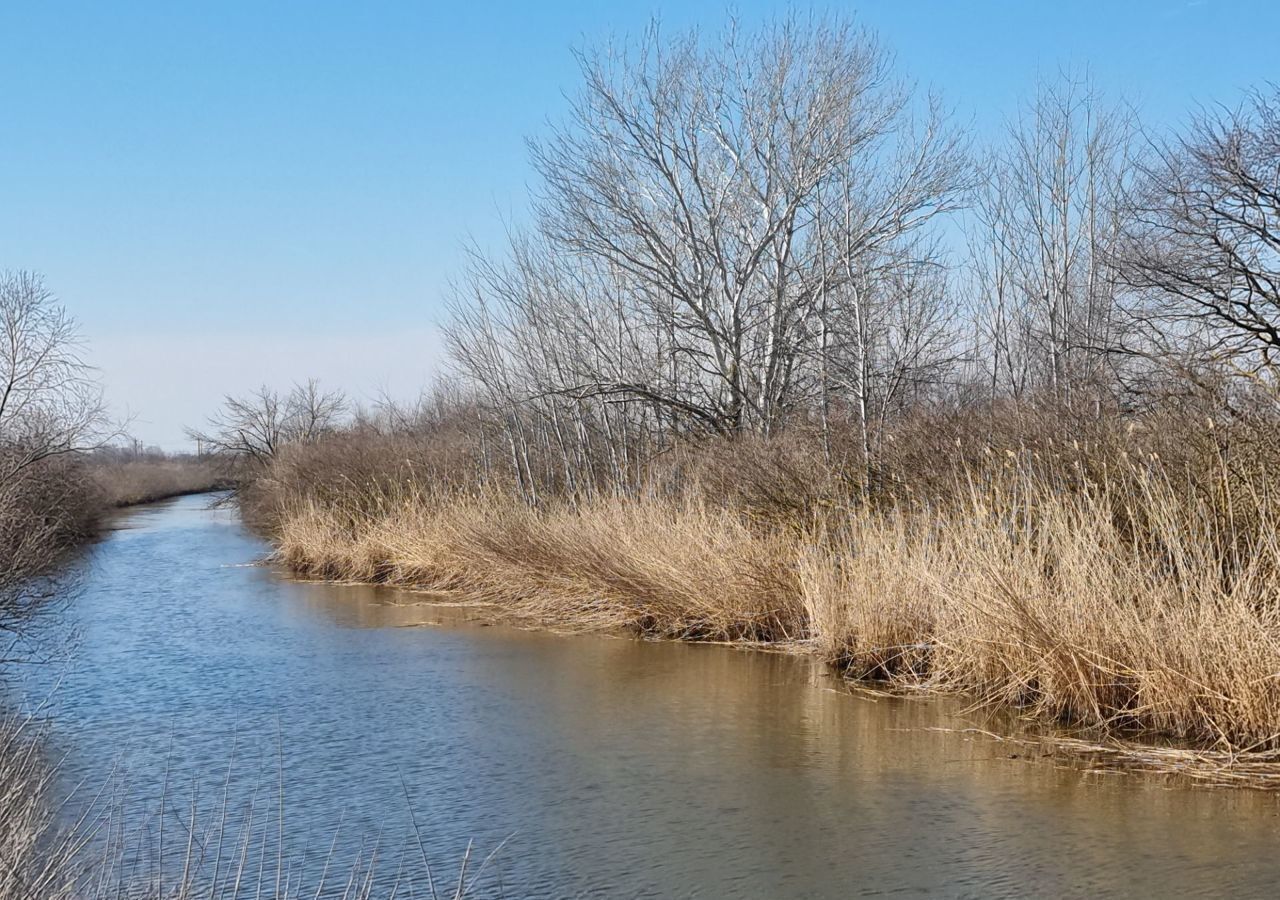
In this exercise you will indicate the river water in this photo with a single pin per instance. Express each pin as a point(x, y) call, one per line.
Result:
point(610, 767)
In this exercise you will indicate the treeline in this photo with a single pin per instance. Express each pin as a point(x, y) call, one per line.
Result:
point(743, 235)
point(771, 231)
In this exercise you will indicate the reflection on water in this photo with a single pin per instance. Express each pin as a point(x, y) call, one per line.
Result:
point(619, 768)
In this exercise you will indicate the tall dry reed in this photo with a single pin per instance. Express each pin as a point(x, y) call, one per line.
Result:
point(1125, 594)
point(670, 569)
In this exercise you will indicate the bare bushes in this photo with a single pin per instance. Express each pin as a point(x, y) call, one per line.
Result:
point(51, 411)
point(53, 506)
point(46, 512)
point(781, 482)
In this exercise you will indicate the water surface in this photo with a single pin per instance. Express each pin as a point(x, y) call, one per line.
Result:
point(612, 767)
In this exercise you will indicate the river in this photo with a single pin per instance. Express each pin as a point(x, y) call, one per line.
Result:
point(610, 767)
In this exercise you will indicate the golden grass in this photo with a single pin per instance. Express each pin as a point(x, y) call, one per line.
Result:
point(1069, 619)
point(1129, 609)
point(671, 570)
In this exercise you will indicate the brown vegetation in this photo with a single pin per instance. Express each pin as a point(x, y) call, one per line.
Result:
point(51, 414)
point(1128, 584)
point(128, 479)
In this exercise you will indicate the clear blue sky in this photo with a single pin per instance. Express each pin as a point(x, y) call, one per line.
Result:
point(230, 193)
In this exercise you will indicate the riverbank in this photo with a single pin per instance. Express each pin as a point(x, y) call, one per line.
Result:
point(1126, 605)
point(134, 482)
point(52, 508)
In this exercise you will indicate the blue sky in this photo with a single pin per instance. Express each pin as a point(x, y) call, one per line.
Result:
point(232, 193)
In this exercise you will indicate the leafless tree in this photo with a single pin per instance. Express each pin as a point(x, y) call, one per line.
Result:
point(891, 341)
point(256, 426)
point(50, 410)
point(1048, 217)
point(310, 412)
point(50, 402)
point(1202, 243)
point(698, 172)
point(711, 216)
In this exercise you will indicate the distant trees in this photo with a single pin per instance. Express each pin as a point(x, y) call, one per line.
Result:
point(257, 425)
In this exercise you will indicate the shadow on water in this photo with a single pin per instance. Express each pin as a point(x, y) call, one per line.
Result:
point(617, 767)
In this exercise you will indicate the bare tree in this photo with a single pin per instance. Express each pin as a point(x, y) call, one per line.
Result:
point(50, 402)
point(714, 250)
point(699, 173)
point(258, 425)
point(1048, 217)
point(50, 409)
point(1202, 244)
point(891, 340)
point(311, 413)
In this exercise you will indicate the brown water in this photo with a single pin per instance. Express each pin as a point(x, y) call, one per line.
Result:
point(614, 768)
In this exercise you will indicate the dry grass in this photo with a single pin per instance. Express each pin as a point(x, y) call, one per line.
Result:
point(1129, 604)
point(677, 570)
point(33, 863)
point(1067, 616)
point(148, 480)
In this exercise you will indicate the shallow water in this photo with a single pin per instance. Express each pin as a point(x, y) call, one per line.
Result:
point(612, 767)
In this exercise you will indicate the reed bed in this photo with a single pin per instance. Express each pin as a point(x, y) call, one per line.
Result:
point(1130, 604)
point(662, 569)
